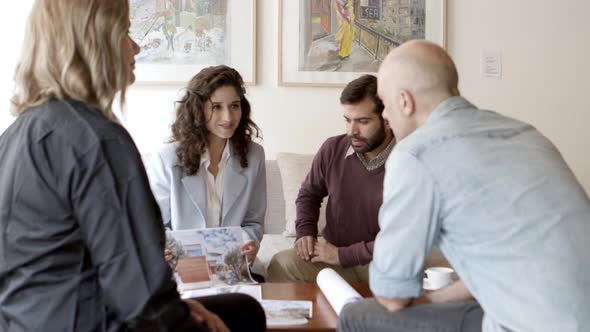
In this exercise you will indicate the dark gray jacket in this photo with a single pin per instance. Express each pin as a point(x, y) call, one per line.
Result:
point(81, 238)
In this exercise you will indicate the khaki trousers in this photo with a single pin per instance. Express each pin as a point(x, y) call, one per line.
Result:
point(286, 266)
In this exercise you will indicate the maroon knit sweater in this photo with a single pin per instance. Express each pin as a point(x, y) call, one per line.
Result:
point(355, 196)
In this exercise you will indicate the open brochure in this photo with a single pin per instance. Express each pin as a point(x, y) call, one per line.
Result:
point(189, 261)
point(338, 292)
point(280, 312)
point(214, 250)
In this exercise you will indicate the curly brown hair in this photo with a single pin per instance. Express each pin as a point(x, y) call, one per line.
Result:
point(190, 130)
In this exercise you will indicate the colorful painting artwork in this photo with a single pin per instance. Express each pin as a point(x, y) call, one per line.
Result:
point(180, 31)
point(178, 38)
point(331, 42)
point(355, 35)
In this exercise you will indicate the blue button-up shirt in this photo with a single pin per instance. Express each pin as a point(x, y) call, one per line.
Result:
point(500, 202)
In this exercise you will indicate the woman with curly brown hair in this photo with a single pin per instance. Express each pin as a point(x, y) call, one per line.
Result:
point(211, 174)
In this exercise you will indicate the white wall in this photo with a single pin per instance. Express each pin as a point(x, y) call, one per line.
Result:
point(546, 79)
point(12, 23)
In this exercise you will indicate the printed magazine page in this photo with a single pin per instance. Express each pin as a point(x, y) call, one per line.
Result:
point(280, 312)
point(226, 263)
point(189, 261)
point(214, 252)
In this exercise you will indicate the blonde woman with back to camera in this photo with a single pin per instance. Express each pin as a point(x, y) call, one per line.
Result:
point(80, 231)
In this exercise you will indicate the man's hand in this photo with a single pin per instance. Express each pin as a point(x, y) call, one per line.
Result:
point(393, 305)
point(326, 253)
point(203, 316)
point(425, 298)
point(167, 255)
point(455, 292)
point(249, 249)
point(304, 247)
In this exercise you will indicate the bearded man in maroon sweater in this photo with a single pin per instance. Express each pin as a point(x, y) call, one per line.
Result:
point(349, 169)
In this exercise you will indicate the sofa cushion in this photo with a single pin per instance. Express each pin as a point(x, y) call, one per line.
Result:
point(274, 220)
point(293, 169)
point(270, 245)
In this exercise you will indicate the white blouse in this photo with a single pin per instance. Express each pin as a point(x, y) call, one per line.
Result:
point(215, 187)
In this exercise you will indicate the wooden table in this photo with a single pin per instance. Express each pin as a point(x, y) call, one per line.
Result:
point(323, 318)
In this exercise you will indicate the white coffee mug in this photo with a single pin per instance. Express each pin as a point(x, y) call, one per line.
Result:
point(439, 277)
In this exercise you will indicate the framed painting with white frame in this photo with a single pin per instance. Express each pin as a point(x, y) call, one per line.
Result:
point(331, 42)
point(178, 38)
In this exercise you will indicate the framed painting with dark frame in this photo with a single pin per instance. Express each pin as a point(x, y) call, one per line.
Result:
point(331, 42)
point(180, 37)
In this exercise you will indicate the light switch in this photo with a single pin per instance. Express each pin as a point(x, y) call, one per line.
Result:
point(491, 64)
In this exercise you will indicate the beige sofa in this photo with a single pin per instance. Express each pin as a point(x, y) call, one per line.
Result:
point(283, 180)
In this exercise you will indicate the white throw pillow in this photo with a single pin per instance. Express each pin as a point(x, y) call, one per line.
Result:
point(294, 168)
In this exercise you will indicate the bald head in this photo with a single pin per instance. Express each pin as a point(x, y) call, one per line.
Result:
point(413, 79)
point(422, 68)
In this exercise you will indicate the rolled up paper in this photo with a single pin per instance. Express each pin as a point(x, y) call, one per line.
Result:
point(338, 292)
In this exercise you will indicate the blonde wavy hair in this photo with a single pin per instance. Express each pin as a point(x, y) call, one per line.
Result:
point(72, 49)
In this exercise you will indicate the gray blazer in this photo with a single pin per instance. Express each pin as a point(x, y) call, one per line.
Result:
point(183, 198)
point(80, 237)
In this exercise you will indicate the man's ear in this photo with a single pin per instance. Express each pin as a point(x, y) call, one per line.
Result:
point(407, 104)
point(385, 123)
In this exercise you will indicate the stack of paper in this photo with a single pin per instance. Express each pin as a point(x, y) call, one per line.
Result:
point(286, 312)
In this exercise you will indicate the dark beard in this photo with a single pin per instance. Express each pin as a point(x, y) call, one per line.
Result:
point(372, 143)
